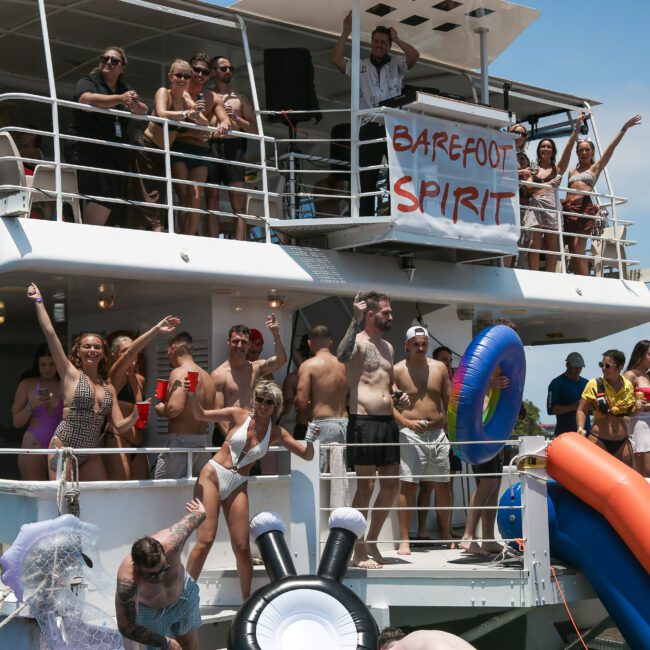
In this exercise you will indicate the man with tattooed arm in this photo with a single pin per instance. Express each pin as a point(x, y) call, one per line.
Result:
point(369, 364)
point(156, 601)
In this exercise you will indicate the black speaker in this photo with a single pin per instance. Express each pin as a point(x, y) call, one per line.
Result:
point(289, 83)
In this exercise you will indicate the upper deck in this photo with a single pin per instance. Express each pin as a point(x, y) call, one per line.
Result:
point(307, 241)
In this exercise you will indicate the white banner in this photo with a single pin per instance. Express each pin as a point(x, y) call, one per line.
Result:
point(453, 181)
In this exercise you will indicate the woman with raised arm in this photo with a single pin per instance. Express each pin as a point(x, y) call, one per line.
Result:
point(38, 408)
point(129, 386)
point(637, 373)
point(584, 178)
point(224, 480)
point(542, 213)
point(88, 399)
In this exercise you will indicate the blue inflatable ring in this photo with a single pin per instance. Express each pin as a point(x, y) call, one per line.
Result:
point(495, 347)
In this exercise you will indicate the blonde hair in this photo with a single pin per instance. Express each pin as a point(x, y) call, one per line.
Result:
point(180, 63)
point(268, 390)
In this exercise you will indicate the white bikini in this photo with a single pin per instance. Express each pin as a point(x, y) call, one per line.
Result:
point(230, 479)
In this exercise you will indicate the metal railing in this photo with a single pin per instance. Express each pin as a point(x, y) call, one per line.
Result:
point(300, 198)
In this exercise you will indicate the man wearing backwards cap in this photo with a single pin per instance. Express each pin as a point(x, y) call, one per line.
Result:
point(426, 382)
point(564, 394)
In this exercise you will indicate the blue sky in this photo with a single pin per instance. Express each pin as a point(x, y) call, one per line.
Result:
point(595, 50)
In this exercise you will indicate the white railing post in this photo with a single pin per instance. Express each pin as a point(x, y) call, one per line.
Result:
point(355, 85)
point(305, 511)
point(54, 108)
point(560, 229)
point(168, 178)
point(260, 129)
point(537, 554)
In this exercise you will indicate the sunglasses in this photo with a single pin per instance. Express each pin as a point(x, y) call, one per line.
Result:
point(226, 68)
point(204, 71)
point(263, 400)
point(181, 75)
point(521, 133)
point(607, 366)
point(113, 60)
point(152, 575)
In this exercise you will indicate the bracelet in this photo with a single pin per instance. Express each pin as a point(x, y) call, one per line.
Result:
point(38, 300)
point(582, 431)
point(168, 643)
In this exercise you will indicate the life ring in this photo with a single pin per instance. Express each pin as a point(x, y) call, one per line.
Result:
point(297, 612)
point(497, 346)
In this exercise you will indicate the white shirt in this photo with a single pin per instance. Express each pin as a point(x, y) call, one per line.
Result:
point(377, 84)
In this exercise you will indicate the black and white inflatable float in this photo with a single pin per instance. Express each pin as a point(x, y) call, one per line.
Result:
point(305, 612)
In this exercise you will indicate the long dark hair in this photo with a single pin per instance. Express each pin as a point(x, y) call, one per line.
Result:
point(639, 351)
point(41, 351)
point(553, 146)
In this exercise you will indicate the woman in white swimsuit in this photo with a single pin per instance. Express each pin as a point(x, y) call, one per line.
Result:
point(224, 480)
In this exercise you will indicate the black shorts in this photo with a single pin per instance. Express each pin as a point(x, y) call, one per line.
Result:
point(228, 149)
point(102, 184)
point(492, 466)
point(368, 430)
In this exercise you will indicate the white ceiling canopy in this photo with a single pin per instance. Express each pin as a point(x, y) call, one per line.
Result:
point(442, 30)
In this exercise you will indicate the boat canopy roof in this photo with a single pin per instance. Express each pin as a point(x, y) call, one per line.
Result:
point(152, 38)
point(443, 31)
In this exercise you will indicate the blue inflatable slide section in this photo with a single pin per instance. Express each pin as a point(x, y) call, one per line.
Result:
point(582, 537)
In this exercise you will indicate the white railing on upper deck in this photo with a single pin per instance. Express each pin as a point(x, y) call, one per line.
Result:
point(300, 199)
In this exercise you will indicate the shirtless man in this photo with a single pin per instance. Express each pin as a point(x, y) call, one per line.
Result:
point(426, 382)
point(369, 361)
point(321, 397)
point(156, 601)
point(183, 429)
point(242, 118)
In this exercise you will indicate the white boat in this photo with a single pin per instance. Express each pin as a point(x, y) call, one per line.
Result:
point(452, 283)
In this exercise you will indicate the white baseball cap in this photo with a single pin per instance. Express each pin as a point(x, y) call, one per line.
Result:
point(416, 330)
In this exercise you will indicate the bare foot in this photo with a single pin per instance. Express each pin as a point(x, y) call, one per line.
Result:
point(404, 549)
point(372, 550)
point(367, 564)
point(362, 560)
point(470, 546)
point(492, 547)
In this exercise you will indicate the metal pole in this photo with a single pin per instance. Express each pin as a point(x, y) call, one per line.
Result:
point(260, 129)
point(55, 109)
point(355, 85)
point(168, 178)
point(485, 80)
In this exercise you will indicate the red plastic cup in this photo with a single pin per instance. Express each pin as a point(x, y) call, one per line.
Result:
point(161, 389)
point(143, 414)
point(193, 378)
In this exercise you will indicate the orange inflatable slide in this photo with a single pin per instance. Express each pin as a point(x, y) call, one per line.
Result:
point(609, 486)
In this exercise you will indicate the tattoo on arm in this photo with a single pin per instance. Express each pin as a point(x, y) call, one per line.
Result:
point(183, 529)
point(127, 600)
point(346, 347)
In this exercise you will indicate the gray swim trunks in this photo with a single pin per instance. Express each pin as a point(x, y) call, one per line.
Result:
point(332, 431)
point(425, 455)
point(175, 465)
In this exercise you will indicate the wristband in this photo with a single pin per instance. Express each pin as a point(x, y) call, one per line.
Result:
point(38, 299)
point(168, 643)
point(582, 431)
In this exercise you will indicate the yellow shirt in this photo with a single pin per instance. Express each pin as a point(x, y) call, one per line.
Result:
point(620, 402)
